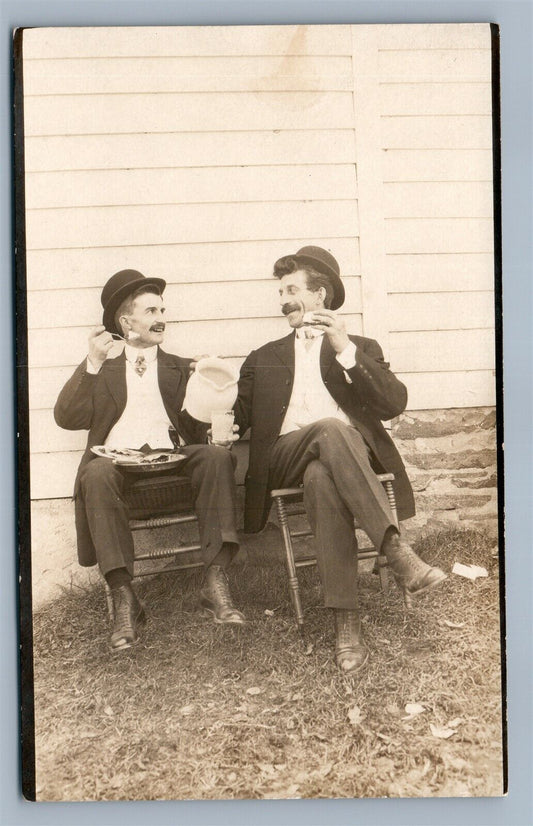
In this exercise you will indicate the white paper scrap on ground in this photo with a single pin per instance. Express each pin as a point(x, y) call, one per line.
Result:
point(469, 571)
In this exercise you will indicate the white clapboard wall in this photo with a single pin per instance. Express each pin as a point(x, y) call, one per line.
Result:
point(427, 228)
point(201, 155)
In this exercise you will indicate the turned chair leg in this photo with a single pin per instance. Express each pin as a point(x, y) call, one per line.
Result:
point(294, 587)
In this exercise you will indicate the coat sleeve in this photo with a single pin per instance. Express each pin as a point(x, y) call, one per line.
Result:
point(191, 430)
point(374, 384)
point(74, 408)
point(243, 406)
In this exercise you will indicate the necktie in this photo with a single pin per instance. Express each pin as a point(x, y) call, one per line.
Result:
point(309, 337)
point(140, 365)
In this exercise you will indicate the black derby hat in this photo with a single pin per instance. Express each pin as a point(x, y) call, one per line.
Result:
point(119, 287)
point(323, 261)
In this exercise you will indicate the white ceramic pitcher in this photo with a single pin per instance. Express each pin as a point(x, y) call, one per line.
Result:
point(211, 388)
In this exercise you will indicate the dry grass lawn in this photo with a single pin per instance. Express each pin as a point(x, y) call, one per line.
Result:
point(201, 711)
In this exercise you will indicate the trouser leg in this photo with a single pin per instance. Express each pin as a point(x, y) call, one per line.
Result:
point(336, 545)
point(343, 451)
point(104, 513)
point(210, 469)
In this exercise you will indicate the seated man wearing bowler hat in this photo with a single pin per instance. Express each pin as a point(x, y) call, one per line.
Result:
point(130, 401)
point(315, 401)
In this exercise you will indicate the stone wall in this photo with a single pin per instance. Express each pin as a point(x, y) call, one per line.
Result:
point(450, 456)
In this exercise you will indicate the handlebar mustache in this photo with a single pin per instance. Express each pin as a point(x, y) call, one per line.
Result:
point(290, 308)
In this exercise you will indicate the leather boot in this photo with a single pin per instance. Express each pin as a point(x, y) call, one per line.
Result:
point(412, 574)
point(350, 651)
point(128, 614)
point(215, 598)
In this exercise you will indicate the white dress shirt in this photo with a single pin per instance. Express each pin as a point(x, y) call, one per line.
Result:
point(144, 419)
point(310, 400)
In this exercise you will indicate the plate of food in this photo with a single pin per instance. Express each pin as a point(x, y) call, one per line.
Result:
point(152, 461)
point(140, 461)
point(113, 453)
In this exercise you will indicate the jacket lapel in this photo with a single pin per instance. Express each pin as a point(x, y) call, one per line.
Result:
point(284, 350)
point(169, 379)
point(327, 357)
point(333, 376)
point(115, 378)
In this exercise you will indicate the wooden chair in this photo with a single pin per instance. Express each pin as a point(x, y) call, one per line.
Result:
point(160, 502)
point(288, 503)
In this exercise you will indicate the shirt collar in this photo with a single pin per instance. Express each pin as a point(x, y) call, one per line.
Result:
point(149, 353)
point(301, 332)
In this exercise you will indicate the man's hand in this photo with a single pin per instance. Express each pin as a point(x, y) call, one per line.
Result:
point(230, 443)
point(100, 343)
point(333, 326)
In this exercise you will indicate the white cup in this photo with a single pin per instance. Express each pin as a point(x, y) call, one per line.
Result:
point(222, 425)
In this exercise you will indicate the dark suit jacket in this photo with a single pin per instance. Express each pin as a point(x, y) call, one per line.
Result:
point(265, 388)
point(96, 402)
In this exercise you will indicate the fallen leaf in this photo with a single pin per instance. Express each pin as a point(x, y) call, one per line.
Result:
point(414, 708)
point(355, 716)
point(185, 710)
point(291, 791)
point(267, 768)
point(454, 624)
point(456, 763)
point(325, 770)
point(427, 765)
point(109, 711)
point(254, 690)
point(441, 732)
point(309, 649)
point(455, 722)
point(268, 612)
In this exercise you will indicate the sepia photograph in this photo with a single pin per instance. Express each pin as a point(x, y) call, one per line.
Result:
point(259, 372)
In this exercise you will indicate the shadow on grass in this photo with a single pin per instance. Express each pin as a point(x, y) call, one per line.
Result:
point(204, 711)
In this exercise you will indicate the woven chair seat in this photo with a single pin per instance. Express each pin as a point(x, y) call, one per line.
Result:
point(159, 496)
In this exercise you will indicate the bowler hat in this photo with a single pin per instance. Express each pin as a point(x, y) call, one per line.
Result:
point(119, 287)
point(323, 261)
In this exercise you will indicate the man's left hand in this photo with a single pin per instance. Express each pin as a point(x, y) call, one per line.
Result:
point(333, 326)
point(229, 444)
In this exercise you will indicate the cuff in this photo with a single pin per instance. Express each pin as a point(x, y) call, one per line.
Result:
point(346, 358)
point(91, 369)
